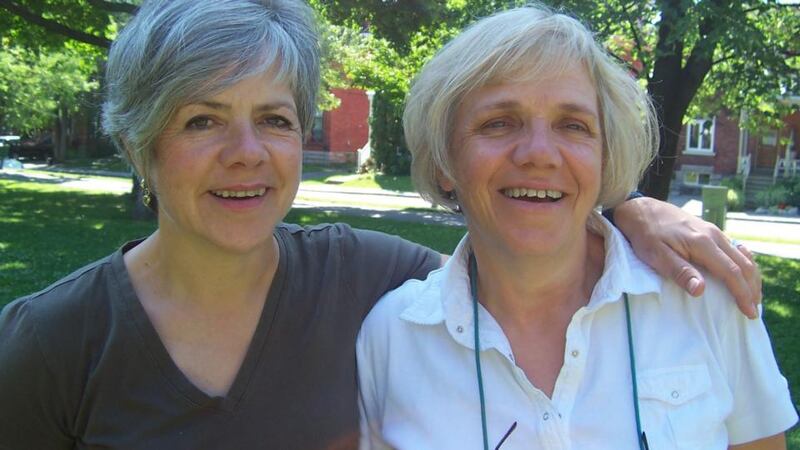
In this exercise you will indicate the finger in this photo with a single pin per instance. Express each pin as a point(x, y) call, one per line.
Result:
point(755, 280)
point(749, 268)
point(725, 265)
point(670, 264)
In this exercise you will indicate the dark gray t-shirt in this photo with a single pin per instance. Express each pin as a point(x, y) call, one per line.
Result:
point(81, 366)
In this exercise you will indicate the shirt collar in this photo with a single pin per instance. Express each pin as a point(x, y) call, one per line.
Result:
point(446, 295)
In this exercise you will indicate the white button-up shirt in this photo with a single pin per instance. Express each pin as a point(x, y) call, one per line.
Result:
point(707, 376)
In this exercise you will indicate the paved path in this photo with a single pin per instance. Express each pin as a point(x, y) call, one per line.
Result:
point(395, 205)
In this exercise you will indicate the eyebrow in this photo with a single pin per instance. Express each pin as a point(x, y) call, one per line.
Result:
point(578, 108)
point(261, 107)
point(568, 107)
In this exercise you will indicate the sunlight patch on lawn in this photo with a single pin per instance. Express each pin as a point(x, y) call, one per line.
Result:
point(13, 265)
point(780, 309)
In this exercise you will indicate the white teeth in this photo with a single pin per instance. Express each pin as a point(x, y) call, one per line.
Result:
point(532, 193)
point(240, 194)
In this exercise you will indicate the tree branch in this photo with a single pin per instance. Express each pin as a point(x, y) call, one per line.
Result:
point(637, 40)
point(53, 26)
point(115, 7)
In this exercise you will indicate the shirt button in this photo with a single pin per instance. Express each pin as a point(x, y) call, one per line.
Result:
point(575, 353)
point(675, 394)
point(460, 329)
point(546, 416)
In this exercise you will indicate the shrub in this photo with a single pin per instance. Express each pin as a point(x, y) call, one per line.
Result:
point(735, 199)
point(388, 144)
point(773, 196)
point(792, 186)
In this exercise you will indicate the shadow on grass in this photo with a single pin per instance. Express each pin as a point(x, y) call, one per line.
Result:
point(46, 235)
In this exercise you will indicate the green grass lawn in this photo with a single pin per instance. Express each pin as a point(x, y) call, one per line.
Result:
point(47, 232)
point(367, 180)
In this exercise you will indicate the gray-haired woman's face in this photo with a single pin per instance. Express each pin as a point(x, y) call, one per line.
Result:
point(227, 167)
point(527, 161)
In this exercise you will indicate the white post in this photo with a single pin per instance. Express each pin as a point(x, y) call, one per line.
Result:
point(366, 151)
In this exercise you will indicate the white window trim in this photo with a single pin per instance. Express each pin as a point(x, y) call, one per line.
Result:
point(700, 151)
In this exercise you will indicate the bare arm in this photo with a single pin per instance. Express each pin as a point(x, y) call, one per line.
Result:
point(777, 442)
point(672, 241)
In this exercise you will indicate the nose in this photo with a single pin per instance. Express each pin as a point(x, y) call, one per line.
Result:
point(537, 146)
point(244, 147)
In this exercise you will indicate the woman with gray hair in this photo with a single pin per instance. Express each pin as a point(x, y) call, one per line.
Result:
point(224, 328)
point(544, 330)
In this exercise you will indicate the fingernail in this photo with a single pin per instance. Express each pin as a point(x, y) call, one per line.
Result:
point(694, 283)
point(756, 312)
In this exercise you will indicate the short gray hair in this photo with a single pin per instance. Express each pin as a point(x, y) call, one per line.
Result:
point(175, 52)
point(519, 45)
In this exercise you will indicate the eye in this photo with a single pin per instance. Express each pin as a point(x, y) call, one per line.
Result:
point(496, 124)
point(577, 125)
point(278, 122)
point(199, 123)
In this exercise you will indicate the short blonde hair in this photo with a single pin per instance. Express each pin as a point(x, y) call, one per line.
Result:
point(522, 44)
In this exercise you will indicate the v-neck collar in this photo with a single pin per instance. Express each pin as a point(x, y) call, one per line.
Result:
point(160, 357)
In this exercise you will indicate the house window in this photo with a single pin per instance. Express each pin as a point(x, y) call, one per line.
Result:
point(696, 178)
point(770, 138)
point(700, 137)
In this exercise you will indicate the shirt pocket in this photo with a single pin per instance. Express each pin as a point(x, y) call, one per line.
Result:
point(678, 408)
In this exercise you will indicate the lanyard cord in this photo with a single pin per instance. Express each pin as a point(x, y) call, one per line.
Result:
point(639, 433)
point(473, 284)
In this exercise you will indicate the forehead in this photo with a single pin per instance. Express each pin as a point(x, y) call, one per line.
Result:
point(569, 88)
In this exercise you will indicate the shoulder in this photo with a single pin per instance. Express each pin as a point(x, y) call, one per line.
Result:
point(343, 235)
point(63, 299)
point(414, 302)
point(76, 306)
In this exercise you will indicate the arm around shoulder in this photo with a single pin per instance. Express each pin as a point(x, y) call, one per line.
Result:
point(32, 412)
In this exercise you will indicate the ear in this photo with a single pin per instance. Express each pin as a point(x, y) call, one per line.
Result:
point(445, 182)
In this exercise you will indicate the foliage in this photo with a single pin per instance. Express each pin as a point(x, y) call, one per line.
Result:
point(735, 192)
point(792, 186)
point(774, 195)
point(735, 200)
point(35, 86)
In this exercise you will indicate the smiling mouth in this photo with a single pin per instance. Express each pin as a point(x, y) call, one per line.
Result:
point(533, 195)
point(239, 195)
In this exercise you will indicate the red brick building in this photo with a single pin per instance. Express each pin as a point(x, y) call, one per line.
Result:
point(339, 133)
point(714, 148)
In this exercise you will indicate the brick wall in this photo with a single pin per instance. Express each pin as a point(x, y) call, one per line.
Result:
point(346, 128)
point(726, 148)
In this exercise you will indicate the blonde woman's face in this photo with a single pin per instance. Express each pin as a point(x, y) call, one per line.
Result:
point(527, 161)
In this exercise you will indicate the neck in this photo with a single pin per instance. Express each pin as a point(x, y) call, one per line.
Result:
point(199, 274)
point(529, 289)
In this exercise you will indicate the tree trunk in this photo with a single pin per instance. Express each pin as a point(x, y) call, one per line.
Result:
point(672, 86)
point(60, 132)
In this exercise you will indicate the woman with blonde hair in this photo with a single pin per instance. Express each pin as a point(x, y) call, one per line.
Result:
point(544, 330)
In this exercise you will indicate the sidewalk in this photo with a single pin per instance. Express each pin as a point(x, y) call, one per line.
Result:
point(749, 224)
